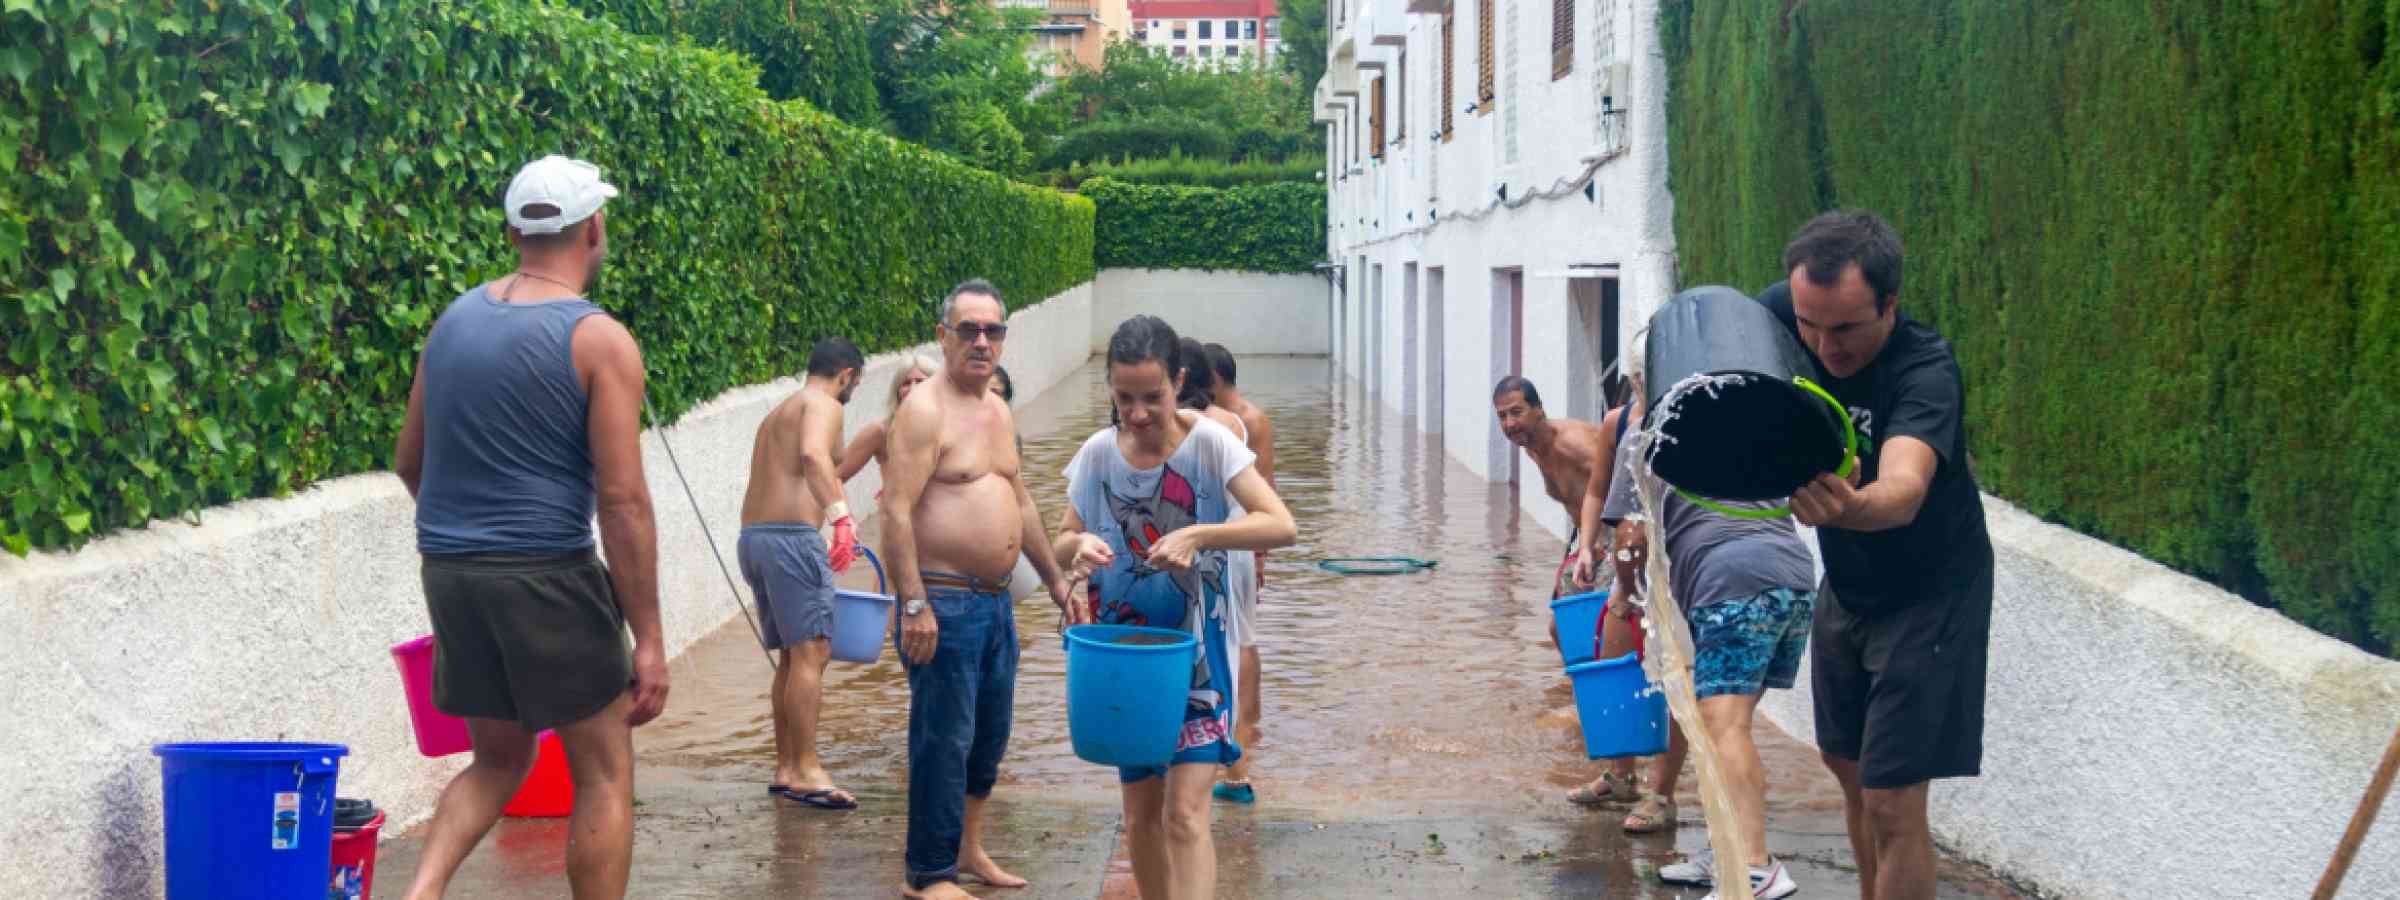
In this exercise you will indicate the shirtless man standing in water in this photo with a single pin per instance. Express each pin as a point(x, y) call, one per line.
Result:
point(956, 517)
point(1565, 451)
point(790, 566)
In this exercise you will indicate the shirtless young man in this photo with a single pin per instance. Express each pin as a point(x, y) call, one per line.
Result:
point(1259, 434)
point(956, 517)
point(790, 566)
point(1566, 451)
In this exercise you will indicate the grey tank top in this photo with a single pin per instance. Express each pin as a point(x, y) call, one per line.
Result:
point(508, 461)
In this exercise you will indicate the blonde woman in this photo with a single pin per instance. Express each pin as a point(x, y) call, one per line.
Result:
point(868, 445)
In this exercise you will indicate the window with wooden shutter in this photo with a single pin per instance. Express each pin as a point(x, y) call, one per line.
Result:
point(1449, 27)
point(1562, 38)
point(1400, 128)
point(1484, 95)
point(1375, 121)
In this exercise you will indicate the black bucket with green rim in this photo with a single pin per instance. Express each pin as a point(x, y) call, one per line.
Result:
point(1756, 439)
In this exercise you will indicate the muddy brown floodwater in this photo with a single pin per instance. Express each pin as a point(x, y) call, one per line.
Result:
point(1419, 735)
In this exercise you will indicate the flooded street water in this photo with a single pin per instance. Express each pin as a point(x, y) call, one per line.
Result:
point(1419, 734)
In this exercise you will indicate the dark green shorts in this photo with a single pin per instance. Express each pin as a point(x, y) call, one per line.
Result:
point(535, 640)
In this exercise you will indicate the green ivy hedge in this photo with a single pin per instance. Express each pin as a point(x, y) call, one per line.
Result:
point(2164, 236)
point(230, 223)
point(1259, 228)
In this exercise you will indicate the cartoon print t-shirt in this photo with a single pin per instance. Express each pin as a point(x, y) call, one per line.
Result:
point(1131, 509)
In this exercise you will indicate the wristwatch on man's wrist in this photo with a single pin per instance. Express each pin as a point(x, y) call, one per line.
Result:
point(913, 606)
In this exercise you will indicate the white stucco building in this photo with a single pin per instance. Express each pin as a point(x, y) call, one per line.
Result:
point(1210, 32)
point(1498, 203)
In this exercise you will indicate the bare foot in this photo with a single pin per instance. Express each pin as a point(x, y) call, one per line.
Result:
point(947, 890)
point(979, 866)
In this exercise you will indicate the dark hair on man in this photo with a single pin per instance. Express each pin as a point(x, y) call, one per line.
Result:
point(547, 241)
point(1199, 389)
point(833, 355)
point(1829, 243)
point(1144, 338)
point(1008, 386)
point(969, 286)
point(1221, 360)
point(1517, 383)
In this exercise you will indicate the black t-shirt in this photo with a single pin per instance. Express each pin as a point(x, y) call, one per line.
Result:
point(1912, 388)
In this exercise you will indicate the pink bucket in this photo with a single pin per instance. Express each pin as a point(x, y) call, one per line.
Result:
point(438, 733)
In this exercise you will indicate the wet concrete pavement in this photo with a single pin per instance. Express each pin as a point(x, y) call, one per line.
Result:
point(1419, 737)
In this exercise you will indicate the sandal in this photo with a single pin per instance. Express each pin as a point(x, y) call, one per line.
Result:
point(1654, 814)
point(1613, 791)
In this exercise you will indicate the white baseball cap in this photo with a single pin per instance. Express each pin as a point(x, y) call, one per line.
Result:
point(571, 186)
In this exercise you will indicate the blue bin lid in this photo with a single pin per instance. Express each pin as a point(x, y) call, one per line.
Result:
point(1578, 598)
point(251, 751)
point(1630, 659)
point(1109, 637)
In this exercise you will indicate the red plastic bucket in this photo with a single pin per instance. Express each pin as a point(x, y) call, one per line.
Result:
point(354, 860)
point(549, 790)
point(438, 733)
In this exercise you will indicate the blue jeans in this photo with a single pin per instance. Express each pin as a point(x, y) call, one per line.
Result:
point(959, 706)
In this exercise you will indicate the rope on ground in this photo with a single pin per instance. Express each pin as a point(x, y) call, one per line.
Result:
point(1376, 565)
point(659, 429)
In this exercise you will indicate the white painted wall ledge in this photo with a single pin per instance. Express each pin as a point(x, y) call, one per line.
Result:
point(273, 619)
point(2149, 735)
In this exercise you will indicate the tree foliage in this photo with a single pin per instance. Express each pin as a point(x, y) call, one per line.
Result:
point(229, 224)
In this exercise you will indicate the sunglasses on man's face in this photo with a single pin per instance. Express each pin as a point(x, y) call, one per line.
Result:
point(969, 331)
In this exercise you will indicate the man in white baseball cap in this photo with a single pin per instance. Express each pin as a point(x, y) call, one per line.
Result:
point(523, 426)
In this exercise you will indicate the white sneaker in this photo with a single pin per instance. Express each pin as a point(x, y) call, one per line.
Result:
point(1768, 882)
point(1699, 870)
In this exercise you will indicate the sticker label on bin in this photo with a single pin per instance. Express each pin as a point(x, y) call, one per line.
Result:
point(287, 820)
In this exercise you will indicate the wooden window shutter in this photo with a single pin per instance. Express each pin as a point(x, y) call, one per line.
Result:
point(1562, 38)
point(1375, 121)
point(1449, 28)
point(1484, 95)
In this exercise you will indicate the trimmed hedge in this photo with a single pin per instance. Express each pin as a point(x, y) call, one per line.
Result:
point(813, 50)
point(1135, 138)
point(1184, 170)
point(230, 224)
point(2165, 238)
point(1260, 228)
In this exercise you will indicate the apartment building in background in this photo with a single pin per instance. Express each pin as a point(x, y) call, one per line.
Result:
point(1076, 31)
point(1496, 178)
point(1210, 32)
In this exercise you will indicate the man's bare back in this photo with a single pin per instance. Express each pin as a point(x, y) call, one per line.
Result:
point(804, 424)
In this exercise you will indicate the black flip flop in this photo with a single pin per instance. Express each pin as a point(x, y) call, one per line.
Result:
point(821, 798)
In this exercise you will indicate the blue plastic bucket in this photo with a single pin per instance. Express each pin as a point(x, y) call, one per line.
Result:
point(1126, 690)
point(1578, 620)
point(860, 618)
point(1622, 714)
point(249, 820)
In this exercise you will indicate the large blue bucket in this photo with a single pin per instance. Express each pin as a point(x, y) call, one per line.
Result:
point(860, 619)
point(1622, 714)
point(1126, 689)
point(1578, 620)
point(249, 820)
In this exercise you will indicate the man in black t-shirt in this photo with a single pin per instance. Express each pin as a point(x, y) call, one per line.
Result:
point(1897, 657)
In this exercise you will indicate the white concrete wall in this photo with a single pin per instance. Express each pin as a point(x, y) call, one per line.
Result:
point(273, 619)
point(1250, 312)
point(2148, 735)
point(1435, 203)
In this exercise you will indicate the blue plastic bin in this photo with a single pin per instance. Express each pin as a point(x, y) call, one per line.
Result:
point(1126, 690)
point(1578, 620)
point(249, 821)
point(1622, 714)
point(861, 618)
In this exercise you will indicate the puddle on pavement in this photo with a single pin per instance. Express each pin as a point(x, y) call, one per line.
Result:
point(1381, 692)
point(1419, 731)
